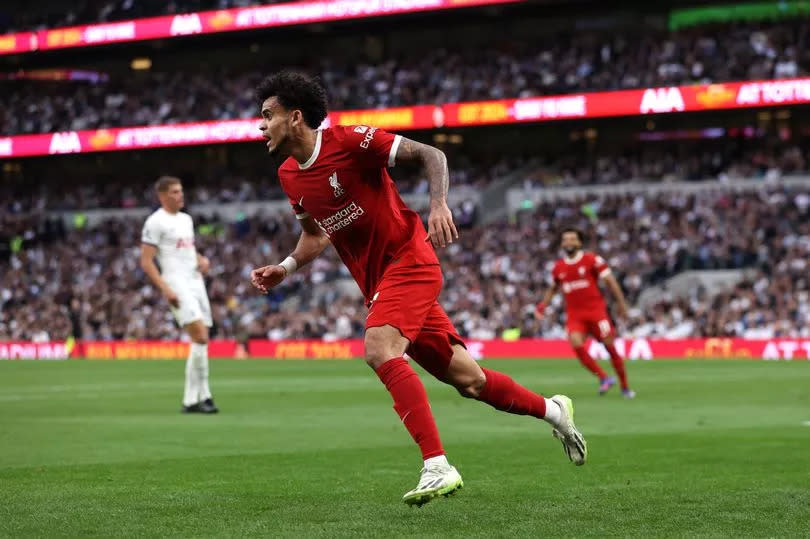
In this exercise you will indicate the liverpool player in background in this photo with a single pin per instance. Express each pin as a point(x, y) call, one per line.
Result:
point(341, 193)
point(578, 275)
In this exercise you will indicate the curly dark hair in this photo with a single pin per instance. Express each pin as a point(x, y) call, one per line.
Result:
point(580, 234)
point(295, 90)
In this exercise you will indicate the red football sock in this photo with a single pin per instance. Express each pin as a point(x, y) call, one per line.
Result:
point(505, 394)
point(589, 363)
point(618, 365)
point(411, 404)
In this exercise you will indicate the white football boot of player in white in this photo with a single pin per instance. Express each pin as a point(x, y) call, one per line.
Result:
point(438, 478)
point(572, 440)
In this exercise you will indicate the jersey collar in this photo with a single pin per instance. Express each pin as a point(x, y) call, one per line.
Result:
point(311, 161)
point(575, 259)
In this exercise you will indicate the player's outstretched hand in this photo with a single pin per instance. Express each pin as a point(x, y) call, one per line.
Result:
point(441, 228)
point(267, 277)
point(203, 264)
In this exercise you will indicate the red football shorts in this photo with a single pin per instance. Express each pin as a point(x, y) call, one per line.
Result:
point(597, 323)
point(406, 299)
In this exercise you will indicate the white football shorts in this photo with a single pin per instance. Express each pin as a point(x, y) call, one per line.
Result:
point(193, 302)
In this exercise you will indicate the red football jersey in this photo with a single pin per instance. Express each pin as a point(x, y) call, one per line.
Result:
point(578, 278)
point(346, 188)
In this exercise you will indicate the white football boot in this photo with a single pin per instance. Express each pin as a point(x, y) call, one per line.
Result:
point(566, 432)
point(436, 480)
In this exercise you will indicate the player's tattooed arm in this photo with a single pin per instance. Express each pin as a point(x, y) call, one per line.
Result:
point(441, 228)
point(434, 163)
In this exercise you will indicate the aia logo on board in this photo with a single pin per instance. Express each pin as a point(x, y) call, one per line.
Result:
point(65, 142)
point(183, 25)
point(659, 100)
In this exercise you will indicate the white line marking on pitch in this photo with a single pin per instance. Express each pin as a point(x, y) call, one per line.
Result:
point(806, 423)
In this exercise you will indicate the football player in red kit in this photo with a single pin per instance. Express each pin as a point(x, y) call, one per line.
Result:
point(341, 193)
point(578, 275)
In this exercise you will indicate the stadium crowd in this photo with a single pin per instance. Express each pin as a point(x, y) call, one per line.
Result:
point(128, 187)
point(58, 280)
point(506, 67)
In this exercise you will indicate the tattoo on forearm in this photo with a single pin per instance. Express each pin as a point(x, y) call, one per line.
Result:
point(434, 162)
point(438, 175)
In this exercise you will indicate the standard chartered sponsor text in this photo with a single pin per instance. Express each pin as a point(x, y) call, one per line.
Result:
point(342, 218)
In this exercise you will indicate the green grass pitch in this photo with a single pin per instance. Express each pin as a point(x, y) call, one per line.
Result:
point(313, 448)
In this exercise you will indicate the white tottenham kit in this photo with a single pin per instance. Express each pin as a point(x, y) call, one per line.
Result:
point(173, 235)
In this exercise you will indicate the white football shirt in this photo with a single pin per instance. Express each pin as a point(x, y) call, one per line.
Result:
point(173, 235)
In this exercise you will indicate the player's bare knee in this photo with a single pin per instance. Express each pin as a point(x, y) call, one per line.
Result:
point(375, 359)
point(377, 352)
point(383, 343)
point(197, 332)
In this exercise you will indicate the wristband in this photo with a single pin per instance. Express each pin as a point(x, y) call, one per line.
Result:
point(289, 265)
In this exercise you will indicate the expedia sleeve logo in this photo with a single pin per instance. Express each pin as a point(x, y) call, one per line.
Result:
point(366, 142)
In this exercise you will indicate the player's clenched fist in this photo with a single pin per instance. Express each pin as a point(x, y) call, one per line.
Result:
point(267, 277)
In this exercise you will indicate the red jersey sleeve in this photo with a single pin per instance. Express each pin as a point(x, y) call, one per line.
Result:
point(373, 147)
point(298, 210)
point(600, 267)
point(297, 205)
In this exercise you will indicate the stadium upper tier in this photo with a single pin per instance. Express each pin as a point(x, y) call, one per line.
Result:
point(59, 279)
point(489, 67)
